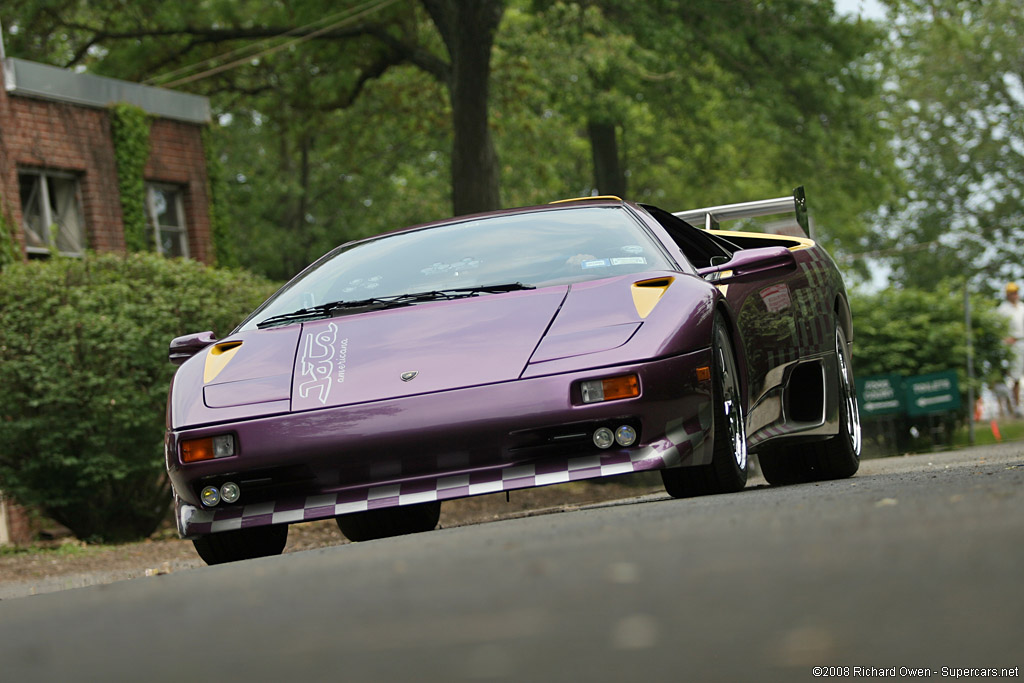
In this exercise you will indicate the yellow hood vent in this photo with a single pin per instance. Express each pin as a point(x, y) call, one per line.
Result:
point(647, 294)
point(218, 358)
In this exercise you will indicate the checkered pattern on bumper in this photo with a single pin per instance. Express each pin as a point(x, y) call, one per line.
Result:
point(681, 442)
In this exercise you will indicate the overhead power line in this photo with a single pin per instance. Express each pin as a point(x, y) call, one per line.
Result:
point(347, 17)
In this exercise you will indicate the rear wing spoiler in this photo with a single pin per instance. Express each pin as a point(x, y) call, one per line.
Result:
point(710, 217)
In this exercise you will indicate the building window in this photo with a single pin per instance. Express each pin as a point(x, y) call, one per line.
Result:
point(51, 212)
point(166, 217)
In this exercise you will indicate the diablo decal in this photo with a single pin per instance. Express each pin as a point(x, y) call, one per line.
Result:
point(322, 363)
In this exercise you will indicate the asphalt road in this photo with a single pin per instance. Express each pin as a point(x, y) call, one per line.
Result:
point(916, 563)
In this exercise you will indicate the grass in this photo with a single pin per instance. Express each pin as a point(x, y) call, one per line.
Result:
point(1009, 430)
point(63, 548)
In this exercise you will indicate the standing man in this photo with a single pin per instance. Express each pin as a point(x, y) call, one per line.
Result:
point(1013, 310)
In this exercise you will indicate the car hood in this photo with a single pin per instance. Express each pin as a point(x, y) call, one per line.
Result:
point(420, 349)
point(425, 348)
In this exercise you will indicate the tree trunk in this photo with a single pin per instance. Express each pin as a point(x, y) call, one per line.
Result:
point(467, 28)
point(609, 177)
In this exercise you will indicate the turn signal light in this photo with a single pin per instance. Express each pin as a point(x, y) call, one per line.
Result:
point(195, 450)
point(610, 389)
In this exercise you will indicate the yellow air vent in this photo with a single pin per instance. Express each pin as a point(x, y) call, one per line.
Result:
point(647, 293)
point(218, 358)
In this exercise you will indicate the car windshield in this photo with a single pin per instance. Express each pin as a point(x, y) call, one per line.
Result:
point(532, 249)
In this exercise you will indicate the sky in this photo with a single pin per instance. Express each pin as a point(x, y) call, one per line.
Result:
point(869, 9)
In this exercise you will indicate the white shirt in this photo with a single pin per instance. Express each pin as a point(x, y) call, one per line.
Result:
point(1015, 314)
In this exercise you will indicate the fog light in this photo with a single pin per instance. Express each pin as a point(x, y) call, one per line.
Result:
point(625, 436)
point(230, 492)
point(210, 496)
point(603, 437)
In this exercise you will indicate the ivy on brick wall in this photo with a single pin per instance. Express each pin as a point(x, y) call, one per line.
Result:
point(9, 248)
point(220, 233)
point(129, 127)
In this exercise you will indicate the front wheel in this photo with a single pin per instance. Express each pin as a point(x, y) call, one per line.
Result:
point(386, 522)
point(836, 458)
point(242, 544)
point(728, 469)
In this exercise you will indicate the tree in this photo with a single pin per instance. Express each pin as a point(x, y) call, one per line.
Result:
point(328, 129)
point(957, 90)
point(915, 332)
point(710, 102)
point(375, 39)
point(467, 28)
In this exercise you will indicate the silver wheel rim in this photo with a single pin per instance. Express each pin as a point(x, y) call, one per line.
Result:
point(848, 394)
point(731, 402)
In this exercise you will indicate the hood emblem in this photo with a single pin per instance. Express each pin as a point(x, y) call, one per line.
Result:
point(409, 376)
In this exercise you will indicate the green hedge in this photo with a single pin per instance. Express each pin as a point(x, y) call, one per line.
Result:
point(84, 378)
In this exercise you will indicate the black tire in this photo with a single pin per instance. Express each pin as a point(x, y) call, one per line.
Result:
point(242, 544)
point(386, 522)
point(836, 458)
point(727, 471)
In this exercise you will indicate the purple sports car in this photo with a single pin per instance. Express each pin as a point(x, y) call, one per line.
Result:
point(513, 349)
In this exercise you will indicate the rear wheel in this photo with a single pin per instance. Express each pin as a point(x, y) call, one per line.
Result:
point(242, 544)
point(385, 522)
point(728, 469)
point(836, 458)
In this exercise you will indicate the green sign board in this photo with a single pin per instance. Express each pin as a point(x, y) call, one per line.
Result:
point(937, 392)
point(880, 395)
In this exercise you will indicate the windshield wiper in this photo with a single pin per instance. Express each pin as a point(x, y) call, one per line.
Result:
point(337, 308)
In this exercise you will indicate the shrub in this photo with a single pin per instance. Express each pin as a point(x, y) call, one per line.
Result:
point(84, 378)
point(914, 332)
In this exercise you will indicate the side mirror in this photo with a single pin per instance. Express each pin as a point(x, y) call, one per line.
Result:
point(183, 348)
point(751, 264)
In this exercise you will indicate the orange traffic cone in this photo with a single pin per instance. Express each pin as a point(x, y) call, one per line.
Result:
point(995, 430)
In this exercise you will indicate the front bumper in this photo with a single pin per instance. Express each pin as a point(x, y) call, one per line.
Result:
point(319, 464)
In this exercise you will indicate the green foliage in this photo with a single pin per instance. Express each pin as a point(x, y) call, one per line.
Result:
point(715, 102)
point(129, 128)
point(378, 165)
point(9, 250)
point(84, 378)
point(224, 251)
point(914, 332)
point(349, 135)
point(955, 97)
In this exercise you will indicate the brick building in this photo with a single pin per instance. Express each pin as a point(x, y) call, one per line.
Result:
point(57, 162)
point(58, 175)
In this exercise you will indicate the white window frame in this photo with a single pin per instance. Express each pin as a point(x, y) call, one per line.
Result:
point(152, 216)
point(48, 218)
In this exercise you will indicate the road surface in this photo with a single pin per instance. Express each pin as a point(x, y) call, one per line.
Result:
point(914, 565)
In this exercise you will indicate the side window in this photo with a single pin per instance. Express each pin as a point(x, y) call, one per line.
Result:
point(166, 218)
point(699, 247)
point(51, 213)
